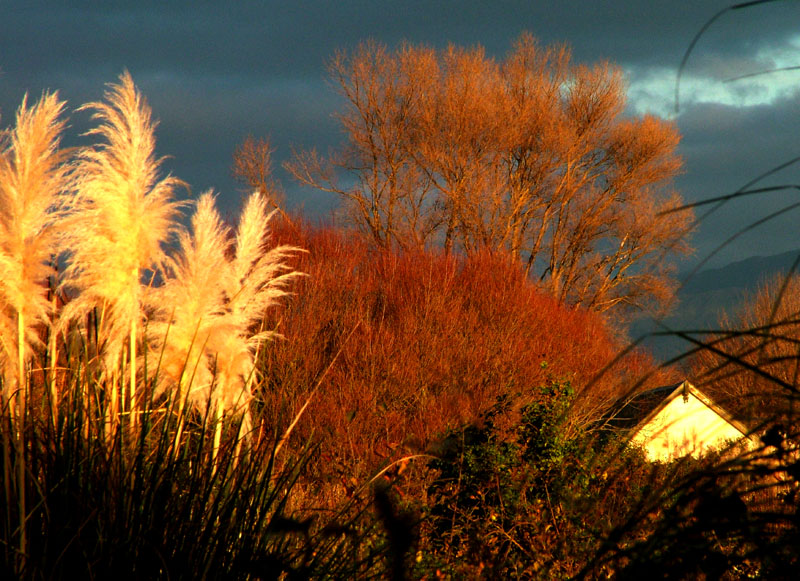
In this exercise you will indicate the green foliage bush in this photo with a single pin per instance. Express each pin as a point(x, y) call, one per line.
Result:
point(529, 501)
point(526, 495)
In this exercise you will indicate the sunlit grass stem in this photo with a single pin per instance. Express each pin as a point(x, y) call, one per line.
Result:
point(52, 350)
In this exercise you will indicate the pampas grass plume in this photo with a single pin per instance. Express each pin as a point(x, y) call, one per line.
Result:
point(187, 308)
point(33, 180)
point(258, 280)
point(123, 215)
point(207, 310)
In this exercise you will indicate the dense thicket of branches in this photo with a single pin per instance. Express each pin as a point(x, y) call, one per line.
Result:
point(753, 363)
point(425, 342)
point(531, 156)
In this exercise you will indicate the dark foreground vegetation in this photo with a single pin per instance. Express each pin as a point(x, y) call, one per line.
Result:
point(451, 432)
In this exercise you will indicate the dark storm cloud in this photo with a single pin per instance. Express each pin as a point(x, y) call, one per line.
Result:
point(216, 72)
point(725, 148)
point(295, 38)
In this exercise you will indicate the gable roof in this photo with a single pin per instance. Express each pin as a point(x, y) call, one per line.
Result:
point(638, 410)
point(673, 421)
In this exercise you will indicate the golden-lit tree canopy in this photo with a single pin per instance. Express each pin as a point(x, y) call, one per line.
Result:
point(530, 155)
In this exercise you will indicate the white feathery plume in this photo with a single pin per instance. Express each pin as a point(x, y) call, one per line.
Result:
point(33, 181)
point(123, 215)
point(204, 313)
point(260, 276)
point(259, 280)
point(187, 309)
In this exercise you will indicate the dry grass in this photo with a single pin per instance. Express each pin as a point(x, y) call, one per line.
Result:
point(205, 314)
point(32, 177)
point(751, 364)
point(107, 215)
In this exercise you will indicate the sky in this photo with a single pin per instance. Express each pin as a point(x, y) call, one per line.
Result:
point(216, 72)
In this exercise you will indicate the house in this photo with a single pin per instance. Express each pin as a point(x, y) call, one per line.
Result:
point(677, 420)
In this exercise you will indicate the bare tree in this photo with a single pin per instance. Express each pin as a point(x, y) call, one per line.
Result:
point(252, 166)
point(388, 192)
point(531, 156)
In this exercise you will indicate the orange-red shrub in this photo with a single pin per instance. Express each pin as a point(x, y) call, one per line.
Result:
point(425, 341)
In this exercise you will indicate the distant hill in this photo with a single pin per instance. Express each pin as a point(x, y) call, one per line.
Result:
point(743, 274)
point(706, 295)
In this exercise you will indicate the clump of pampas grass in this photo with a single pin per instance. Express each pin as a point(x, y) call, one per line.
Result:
point(122, 217)
point(107, 216)
point(205, 313)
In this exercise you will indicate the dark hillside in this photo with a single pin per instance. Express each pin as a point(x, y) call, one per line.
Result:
point(708, 294)
point(743, 274)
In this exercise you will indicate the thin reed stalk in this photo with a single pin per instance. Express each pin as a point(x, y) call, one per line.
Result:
point(53, 357)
